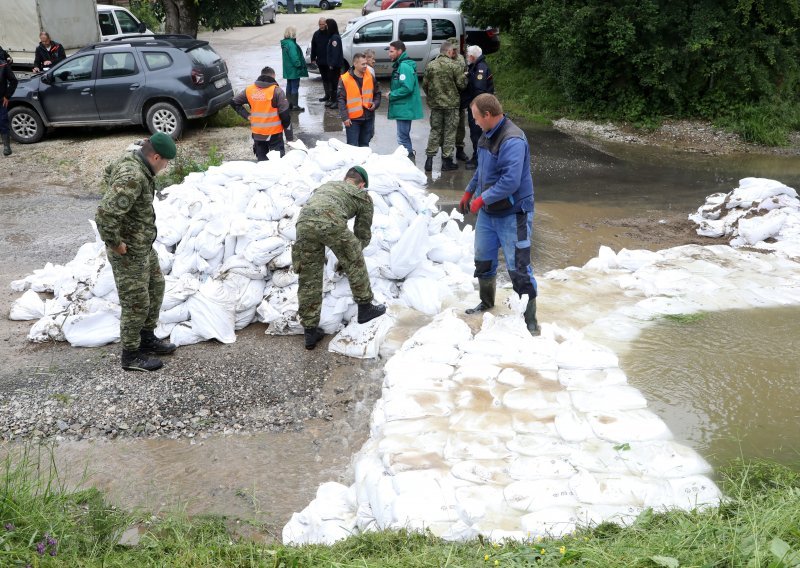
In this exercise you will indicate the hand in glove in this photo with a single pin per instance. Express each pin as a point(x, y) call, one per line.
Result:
point(476, 204)
point(463, 205)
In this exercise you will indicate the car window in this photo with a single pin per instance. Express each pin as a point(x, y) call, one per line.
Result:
point(126, 22)
point(413, 29)
point(76, 69)
point(157, 60)
point(107, 24)
point(204, 55)
point(375, 32)
point(117, 65)
point(443, 29)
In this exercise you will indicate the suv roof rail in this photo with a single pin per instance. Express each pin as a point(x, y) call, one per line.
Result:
point(154, 36)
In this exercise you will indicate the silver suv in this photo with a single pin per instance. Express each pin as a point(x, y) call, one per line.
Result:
point(158, 81)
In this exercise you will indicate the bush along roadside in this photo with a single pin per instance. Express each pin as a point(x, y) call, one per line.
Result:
point(44, 524)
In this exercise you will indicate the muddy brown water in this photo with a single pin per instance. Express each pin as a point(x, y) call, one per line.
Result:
point(727, 384)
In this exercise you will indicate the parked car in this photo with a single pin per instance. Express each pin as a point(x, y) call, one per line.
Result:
point(160, 82)
point(371, 6)
point(321, 4)
point(422, 30)
point(116, 21)
point(268, 13)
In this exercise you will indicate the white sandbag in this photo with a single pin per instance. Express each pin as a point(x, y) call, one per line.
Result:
point(756, 229)
point(212, 312)
point(175, 314)
point(619, 397)
point(411, 249)
point(252, 295)
point(423, 295)
point(178, 289)
point(46, 329)
point(284, 277)
point(263, 250)
point(492, 472)
point(540, 467)
point(29, 306)
point(581, 354)
point(183, 334)
point(475, 445)
point(551, 522)
point(91, 330)
point(539, 494)
point(635, 425)
point(362, 341)
point(104, 283)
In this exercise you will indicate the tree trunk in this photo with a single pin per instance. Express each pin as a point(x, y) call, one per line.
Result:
point(181, 17)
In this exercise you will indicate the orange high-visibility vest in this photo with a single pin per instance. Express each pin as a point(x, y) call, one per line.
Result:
point(264, 117)
point(357, 100)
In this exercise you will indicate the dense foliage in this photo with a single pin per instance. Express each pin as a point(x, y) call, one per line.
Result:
point(643, 58)
point(185, 16)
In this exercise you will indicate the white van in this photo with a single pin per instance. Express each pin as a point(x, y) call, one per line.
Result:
point(116, 21)
point(422, 30)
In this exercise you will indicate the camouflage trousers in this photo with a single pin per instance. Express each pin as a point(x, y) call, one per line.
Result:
point(140, 286)
point(461, 129)
point(308, 261)
point(444, 122)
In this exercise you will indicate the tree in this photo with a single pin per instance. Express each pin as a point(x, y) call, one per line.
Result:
point(186, 16)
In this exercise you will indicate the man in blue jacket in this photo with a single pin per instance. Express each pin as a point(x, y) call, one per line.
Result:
point(501, 191)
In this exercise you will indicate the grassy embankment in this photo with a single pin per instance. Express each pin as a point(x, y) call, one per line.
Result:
point(525, 92)
point(43, 524)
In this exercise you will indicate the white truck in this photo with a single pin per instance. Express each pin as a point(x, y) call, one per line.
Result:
point(72, 23)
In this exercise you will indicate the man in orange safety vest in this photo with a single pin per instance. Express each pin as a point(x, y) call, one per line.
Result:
point(268, 115)
point(359, 94)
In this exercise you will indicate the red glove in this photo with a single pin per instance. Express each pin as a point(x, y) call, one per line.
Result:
point(463, 205)
point(476, 204)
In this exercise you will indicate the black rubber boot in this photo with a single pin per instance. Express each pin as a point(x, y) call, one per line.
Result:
point(486, 291)
point(152, 344)
point(412, 155)
point(368, 312)
point(313, 335)
point(460, 154)
point(472, 163)
point(429, 163)
point(138, 361)
point(530, 317)
point(293, 98)
point(448, 165)
point(6, 144)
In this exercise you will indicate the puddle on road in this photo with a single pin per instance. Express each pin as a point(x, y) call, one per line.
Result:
point(727, 384)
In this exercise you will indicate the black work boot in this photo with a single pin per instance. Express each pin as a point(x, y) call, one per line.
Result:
point(486, 290)
point(530, 317)
point(368, 312)
point(152, 344)
point(412, 155)
point(293, 99)
point(313, 335)
point(138, 361)
point(460, 154)
point(472, 163)
point(449, 165)
point(429, 163)
point(6, 144)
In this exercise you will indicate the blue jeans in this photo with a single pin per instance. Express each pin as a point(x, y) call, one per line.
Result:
point(404, 134)
point(292, 86)
point(359, 132)
point(512, 233)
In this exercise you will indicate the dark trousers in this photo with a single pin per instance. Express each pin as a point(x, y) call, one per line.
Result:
point(334, 74)
point(474, 132)
point(360, 132)
point(4, 124)
point(324, 72)
point(261, 147)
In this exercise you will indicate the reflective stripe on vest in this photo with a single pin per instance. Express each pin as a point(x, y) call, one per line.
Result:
point(357, 99)
point(264, 117)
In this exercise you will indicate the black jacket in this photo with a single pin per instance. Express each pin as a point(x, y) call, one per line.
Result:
point(335, 55)
point(479, 81)
point(54, 54)
point(319, 47)
point(8, 81)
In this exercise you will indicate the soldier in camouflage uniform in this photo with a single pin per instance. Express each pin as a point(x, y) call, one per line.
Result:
point(443, 82)
point(323, 222)
point(463, 109)
point(126, 221)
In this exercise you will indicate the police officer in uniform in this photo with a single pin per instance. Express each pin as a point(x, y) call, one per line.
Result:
point(8, 84)
point(443, 82)
point(479, 81)
point(323, 222)
point(268, 115)
point(126, 221)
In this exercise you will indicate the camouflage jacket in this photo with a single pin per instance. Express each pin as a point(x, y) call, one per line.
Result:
point(334, 203)
point(443, 82)
point(126, 213)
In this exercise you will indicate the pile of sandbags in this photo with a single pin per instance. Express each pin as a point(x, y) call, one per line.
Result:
point(224, 244)
point(760, 213)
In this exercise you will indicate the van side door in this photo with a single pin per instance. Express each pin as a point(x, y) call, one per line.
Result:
point(377, 35)
point(415, 33)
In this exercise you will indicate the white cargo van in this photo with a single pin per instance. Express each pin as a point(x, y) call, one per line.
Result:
point(116, 21)
point(422, 30)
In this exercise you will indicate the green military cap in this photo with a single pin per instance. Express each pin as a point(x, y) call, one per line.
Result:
point(164, 145)
point(363, 173)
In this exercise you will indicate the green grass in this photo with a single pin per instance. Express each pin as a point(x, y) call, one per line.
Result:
point(183, 165)
point(685, 318)
point(759, 525)
point(225, 118)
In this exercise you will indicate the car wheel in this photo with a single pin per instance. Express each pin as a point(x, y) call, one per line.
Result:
point(325, 5)
point(259, 20)
point(166, 118)
point(27, 126)
point(274, 15)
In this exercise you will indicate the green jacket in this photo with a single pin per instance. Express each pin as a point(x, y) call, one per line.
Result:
point(405, 101)
point(126, 213)
point(334, 203)
point(294, 64)
point(443, 82)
